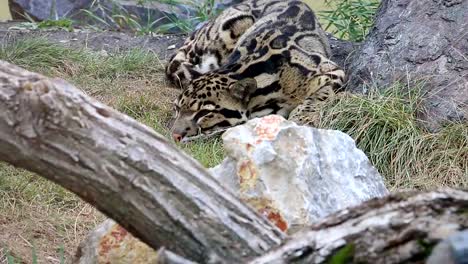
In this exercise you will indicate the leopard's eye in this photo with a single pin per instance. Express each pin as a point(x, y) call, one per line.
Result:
point(200, 114)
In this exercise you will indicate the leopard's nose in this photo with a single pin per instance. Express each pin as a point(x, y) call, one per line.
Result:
point(177, 137)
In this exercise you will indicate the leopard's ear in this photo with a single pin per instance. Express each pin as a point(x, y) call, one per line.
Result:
point(184, 76)
point(241, 90)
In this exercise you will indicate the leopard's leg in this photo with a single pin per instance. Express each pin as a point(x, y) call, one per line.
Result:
point(322, 88)
point(308, 112)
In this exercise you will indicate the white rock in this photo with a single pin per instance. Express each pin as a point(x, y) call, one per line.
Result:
point(296, 174)
point(292, 174)
point(110, 243)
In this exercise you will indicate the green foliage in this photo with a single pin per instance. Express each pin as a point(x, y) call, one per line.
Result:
point(343, 255)
point(203, 12)
point(426, 247)
point(350, 19)
point(385, 126)
point(120, 18)
point(66, 24)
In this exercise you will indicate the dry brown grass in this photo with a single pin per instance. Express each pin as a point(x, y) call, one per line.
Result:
point(39, 218)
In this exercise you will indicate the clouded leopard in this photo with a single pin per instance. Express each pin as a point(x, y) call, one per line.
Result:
point(256, 58)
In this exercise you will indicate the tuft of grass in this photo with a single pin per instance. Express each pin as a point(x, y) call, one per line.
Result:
point(20, 184)
point(349, 19)
point(385, 126)
point(65, 24)
point(132, 64)
point(38, 54)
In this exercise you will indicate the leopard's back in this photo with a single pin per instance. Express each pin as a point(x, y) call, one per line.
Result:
point(257, 58)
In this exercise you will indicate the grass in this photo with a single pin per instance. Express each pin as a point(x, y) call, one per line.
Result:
point(386, 127)
point(38, 54)
point(40, 219)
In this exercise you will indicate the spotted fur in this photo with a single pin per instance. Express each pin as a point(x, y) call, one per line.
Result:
point(256, 58)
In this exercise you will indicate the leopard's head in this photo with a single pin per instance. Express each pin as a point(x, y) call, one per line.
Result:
point(211, 104)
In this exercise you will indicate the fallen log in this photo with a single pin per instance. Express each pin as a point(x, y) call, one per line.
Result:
point(125, 169)
point(400, 228)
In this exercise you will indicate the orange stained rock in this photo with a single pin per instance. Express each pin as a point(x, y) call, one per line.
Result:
point(247, 175)
point(266, 208)
point(115, 236)
point(268, 128)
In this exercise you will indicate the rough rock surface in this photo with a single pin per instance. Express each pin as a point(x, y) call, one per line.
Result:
point(292, 174)
point(452, 250)
point(296, 174)
point(110, 243)
point(42, 10)
point(419, 40)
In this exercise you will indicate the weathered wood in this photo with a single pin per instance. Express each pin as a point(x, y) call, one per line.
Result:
point(167, 257)
point(400, 228)
point(125, 169)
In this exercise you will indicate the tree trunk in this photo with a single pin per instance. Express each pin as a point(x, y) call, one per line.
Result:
point(126, 170)
point(421, 43)
point(401, 228)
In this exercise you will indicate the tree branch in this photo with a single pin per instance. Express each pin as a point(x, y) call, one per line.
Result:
point(400, 228)
point(126, 170)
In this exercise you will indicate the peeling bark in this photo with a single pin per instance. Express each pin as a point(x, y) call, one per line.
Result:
point(167, 257)
point(400, 228)
point(126, 170)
